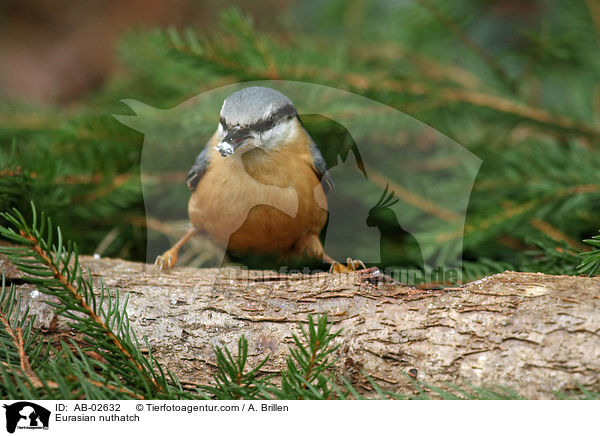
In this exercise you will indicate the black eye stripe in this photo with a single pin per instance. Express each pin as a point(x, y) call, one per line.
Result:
point(280, 114)
point(264, 125)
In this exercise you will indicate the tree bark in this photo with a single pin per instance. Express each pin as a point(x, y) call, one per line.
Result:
point(532, 333)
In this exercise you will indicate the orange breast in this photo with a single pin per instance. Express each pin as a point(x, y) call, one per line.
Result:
point(260, 201)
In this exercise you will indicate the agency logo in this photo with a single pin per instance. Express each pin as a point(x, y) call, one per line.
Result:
point(289, 169)
point(26, 415)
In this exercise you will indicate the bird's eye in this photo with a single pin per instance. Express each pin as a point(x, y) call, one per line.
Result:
point(269, 123)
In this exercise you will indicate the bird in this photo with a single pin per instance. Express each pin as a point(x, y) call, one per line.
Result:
point(393, 235)
point(259, 185)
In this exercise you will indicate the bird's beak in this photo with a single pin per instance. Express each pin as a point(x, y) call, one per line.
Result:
point(234, 138)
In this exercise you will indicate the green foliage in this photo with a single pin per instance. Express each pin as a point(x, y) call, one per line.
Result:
point(579, 393)
point(307, 375)
point(551, 256)
point(449, 391)
point(101, 319)
point(308, 362)
point(590, 261)
point(231, 382)
point(516, 91)
point(107, 361)
point(520, 93)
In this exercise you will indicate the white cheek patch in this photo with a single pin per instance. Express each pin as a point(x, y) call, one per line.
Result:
point(265, 137)
point(282, 131)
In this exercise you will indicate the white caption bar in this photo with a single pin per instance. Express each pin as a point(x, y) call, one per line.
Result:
point(463, 418)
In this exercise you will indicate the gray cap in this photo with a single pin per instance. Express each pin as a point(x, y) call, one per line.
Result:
point(251, 106)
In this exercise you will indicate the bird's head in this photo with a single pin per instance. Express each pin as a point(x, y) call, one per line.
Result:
point(255, 117)
point(382, 211)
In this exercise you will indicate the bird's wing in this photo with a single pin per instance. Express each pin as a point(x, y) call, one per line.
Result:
point(199, 168)
point(320, 168)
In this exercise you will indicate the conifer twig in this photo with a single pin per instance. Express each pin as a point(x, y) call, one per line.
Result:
point(115, 388)
point(594, 7)
point(25, 370)
point(103, 191)
point(556, 234)
point(63, 276)
point(35, 246)
point(365, 83)
point(412, 198)
point(470, 43)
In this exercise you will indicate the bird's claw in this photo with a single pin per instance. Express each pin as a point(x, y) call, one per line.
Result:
point(351, 266)
point(372, 275)
point(165, 262)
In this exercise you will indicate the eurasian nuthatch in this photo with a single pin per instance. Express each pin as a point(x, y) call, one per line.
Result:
point(259, 184)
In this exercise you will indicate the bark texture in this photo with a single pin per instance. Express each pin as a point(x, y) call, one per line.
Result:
point(533, 333)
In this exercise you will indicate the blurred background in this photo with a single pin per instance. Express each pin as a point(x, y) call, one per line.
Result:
point(514, 82)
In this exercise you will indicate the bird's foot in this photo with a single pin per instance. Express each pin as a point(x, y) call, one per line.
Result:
point(372, 275)
point(351, 266)
point(166, 261)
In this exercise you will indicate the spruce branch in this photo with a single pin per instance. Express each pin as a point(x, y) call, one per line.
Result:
point(554, 233)
point(231, 379)
point(553, 255)
point(243, 25)
point(469, 42)
point(594, 7)
point(412, 198)
point(15, 340)
point(306, 374)
point(55, 269)
point(240, 62)
point(590, 260)
point(110, 368)
point(115, 366)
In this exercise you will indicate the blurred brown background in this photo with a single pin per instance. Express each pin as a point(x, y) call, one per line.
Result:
point(56, 50)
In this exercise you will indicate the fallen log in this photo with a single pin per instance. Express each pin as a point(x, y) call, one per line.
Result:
point(530, 332)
